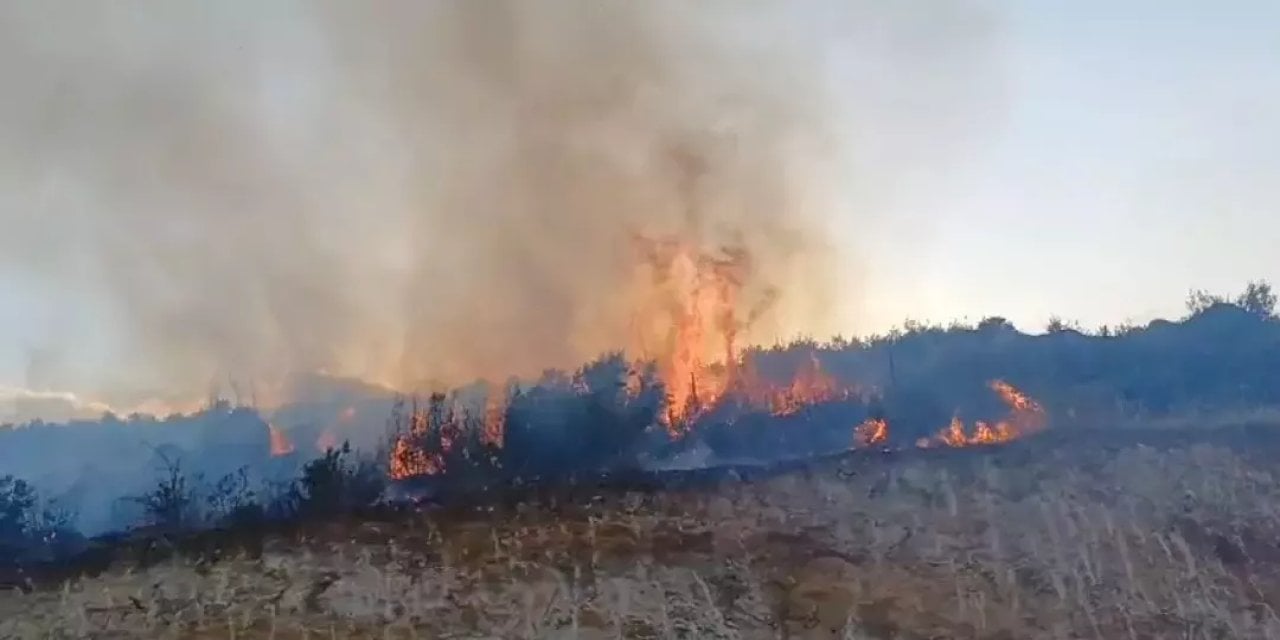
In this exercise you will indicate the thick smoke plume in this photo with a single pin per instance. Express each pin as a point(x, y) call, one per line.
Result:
point(421, 193)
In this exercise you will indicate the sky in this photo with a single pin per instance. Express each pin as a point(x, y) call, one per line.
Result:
point(1128, 155)
point(1135, 162)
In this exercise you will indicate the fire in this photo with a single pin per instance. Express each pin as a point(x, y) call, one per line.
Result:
point(1025, 416)
point(694, 305)
point(433, 431)
point(953, 435)
point(408, 461)
point(809, 386)
point(495, 420)
point(871, 432)
point(696, 297)
point(408, 458)
point(280, 444)
point(327, 440)
point(1019, 403)
point(329, 437)
point(701, 303)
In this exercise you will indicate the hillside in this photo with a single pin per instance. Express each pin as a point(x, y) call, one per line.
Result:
point(1138, 503)
point(1157, 534)
point(1218, 362)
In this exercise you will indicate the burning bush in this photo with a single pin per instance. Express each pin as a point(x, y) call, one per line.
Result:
point(612, 412)
point(593, 419)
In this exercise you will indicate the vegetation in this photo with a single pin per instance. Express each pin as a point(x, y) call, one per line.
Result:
point(561, 425)
point(1067, 536)
point(1257, 299)
point(28, 527)
point(1049, 539)
point(337, 483)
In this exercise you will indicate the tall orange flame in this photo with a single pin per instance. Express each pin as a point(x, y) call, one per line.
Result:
point(408, 459)
point(280, 444)
point(694, 298)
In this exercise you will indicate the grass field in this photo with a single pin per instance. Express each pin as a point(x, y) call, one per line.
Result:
point(1050, 538)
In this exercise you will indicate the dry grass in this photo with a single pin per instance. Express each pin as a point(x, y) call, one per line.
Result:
point(1074, 542)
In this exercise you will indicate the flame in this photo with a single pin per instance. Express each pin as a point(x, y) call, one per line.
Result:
point(1018, 402)
point(693, 303)
point(408, 459)
point(448, 421)
point(809, 386)
point(328, 440)
point(871, 432)
point(1025, 416)
point(953, 435)
point(694, 309)
point(701, 306)
point(698, 295)
point(280, 444)
point(495, 420)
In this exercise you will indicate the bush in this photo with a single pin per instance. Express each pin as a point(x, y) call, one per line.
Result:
point(589, 421)
point(181, 502)
point(230, 501)
point(1257, 298)
point(29, 528)
point(332, 484)
point(17, 501)
point(1059, 325)
point(336, 483)
point(171, 506)
point(593, 419)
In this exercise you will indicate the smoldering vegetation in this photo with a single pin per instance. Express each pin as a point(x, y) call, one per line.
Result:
point(604, 419)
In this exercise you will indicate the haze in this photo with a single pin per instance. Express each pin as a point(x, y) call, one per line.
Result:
point(191, 194)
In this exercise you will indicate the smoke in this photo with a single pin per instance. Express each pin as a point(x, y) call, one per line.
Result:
point(429, 192)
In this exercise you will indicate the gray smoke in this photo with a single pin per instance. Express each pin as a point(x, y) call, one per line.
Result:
point(417, 192)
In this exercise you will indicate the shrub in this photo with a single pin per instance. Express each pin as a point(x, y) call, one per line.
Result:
point(171, 505)
point(1257, 298)
point(1059, 325)
point(230, 501)
point(29, 528)
point(587, 422)
point(17, 500)
point(337, 483)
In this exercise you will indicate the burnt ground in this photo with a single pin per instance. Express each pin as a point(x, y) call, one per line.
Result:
point(1101, 533)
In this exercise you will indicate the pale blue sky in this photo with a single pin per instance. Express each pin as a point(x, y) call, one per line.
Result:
point(1138, 160)
point(1134, 155)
